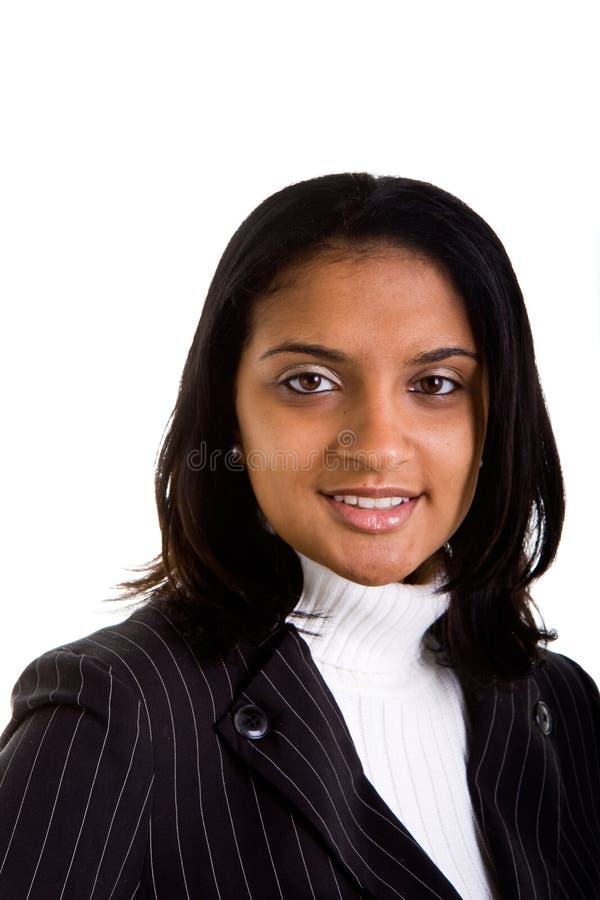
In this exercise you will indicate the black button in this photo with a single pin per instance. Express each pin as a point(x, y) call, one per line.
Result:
point(543, 719)
point(251, 721)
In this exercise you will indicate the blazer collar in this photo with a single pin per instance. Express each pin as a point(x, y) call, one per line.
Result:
point(307, 754)
point(309, 757)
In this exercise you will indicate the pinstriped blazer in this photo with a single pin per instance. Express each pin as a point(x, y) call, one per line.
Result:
point(123, 775)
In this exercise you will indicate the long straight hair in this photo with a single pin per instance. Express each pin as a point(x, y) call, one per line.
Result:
point(223, 584)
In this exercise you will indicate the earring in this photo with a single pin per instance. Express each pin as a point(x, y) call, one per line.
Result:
point(236, 454)
point(480, 463)
point(448, 549)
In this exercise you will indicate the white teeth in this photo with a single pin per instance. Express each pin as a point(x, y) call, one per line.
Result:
point(371, 502)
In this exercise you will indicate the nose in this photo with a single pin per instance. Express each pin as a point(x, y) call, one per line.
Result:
point(377, 436)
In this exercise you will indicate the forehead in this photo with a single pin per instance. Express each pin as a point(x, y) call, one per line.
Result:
point(388, 293)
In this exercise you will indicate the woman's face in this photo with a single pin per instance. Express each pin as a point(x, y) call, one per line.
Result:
point(387, 398)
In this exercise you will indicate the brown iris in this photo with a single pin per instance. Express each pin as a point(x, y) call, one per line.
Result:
point(431, 384)
point(309, 380)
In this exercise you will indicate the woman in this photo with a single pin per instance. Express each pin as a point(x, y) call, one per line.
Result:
point(333, 686)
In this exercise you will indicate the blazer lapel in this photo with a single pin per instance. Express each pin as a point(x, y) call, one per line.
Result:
point(514, 781)
point(307, 754)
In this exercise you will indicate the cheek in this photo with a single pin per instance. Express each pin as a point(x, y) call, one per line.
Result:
point(452, 446)
point(453, 462)
point(280, 434)
point(280, 493)
point(279, 460)
point(462, 481)
point(259, 431)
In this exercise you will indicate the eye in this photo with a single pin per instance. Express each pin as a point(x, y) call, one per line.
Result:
point(309, 383)
point(435, 385)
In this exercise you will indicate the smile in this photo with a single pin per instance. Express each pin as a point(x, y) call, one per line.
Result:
point(371, 514)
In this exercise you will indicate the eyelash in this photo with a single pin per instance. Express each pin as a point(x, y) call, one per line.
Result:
point(286, 382)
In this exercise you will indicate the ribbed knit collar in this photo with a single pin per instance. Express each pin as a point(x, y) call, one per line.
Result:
point(374, 633)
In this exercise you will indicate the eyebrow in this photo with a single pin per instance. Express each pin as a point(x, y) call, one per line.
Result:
point(328, 353)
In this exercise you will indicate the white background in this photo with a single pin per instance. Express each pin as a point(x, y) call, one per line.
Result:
point(137, 136)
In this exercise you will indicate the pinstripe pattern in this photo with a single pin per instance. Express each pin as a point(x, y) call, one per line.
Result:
point(122, 777)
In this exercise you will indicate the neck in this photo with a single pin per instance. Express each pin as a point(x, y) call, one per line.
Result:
point(375, 631)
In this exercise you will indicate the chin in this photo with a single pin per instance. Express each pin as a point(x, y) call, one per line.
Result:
point(376, 572)
point(372, 574)
point(369, 580)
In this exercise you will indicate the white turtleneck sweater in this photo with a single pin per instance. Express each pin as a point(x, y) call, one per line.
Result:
point(404, 712)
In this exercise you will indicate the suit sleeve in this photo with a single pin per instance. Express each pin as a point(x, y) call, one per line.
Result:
point(76, 776)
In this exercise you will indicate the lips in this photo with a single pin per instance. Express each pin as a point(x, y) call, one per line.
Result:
point(372, 521)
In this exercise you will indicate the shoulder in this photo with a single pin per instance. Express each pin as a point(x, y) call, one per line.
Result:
point(96, 672)
point(566, 677)
point(146, 659)
point(147, 640)
point(120, 650)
